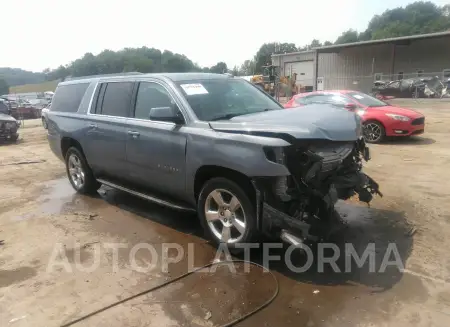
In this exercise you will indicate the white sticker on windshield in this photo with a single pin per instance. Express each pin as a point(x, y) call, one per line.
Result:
point(192, 89)
point(359, 97)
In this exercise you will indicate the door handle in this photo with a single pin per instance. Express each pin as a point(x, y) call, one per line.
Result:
point(134, 134)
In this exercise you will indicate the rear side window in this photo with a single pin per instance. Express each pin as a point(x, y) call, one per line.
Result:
point(115, 99)
point(67, 98)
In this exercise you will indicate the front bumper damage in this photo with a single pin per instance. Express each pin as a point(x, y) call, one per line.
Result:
point(321, 174)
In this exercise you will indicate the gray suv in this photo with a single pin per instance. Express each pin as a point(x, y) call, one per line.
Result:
point(213, 144)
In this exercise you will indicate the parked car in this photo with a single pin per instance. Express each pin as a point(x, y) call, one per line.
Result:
point(379, 118)
point(8, 128)
point(419, 87)
point(214, 144)
point(4, 107)
point(44, 115)
point(406, 88)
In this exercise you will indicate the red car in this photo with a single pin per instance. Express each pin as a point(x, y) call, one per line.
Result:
point(380, 119)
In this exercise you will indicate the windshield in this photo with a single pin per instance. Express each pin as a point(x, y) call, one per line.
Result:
point(366, 100)
point(216, 99)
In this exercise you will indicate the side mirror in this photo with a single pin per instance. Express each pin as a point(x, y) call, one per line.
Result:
point(169, 114)
point(350, 106)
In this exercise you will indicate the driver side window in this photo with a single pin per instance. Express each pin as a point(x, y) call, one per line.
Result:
point(150, 95)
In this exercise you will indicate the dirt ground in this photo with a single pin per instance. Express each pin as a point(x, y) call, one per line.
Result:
point(42, 218)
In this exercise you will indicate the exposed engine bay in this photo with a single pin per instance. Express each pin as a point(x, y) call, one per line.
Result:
point(322, 172)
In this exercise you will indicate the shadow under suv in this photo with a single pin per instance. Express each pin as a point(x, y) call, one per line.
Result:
point(214, 144)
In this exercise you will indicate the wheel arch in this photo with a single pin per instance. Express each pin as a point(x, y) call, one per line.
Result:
point(68, 142)
point(207, 172)
point(374, 120)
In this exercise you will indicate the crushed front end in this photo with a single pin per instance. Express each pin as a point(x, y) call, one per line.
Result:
point(321, 172)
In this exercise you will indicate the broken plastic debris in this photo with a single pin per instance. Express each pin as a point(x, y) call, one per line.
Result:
point(316, 291)
point(208, 315)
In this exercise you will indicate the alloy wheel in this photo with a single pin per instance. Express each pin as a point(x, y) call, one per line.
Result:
point(76, 172)
point(372, 132)
point(225, 216)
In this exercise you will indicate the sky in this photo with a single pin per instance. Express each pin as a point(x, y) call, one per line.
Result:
point(39, 34)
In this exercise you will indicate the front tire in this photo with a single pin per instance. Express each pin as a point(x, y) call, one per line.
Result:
point(226, 213)
point(373, 132)
point(79, 173)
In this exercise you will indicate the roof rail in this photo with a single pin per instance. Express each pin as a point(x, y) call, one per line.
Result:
point(69, 78)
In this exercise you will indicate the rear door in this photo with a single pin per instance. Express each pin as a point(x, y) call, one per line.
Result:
point(106, 131)
point(156, 150)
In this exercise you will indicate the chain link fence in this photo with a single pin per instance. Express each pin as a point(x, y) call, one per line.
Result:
point(417, 85)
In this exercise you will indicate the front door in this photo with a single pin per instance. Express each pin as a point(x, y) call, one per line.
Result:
point(106, 136)
point(155, 149)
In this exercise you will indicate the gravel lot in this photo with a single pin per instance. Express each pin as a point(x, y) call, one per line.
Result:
point(41, 217)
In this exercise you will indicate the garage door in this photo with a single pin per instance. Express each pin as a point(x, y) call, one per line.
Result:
point(304, 70)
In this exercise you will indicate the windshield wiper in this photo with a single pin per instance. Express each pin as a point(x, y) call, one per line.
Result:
point(228, 116)
point(231, 115)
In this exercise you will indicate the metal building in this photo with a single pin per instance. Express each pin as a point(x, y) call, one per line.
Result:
point(358, 65)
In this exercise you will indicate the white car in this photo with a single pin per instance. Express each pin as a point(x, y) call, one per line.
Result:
point(44, 115)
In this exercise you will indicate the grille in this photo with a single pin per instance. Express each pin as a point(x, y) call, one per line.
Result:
point(418, 121)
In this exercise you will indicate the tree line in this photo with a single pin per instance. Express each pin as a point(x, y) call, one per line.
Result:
point(416, 18)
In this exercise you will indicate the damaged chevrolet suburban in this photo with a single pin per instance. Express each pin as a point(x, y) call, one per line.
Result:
point(213, 144)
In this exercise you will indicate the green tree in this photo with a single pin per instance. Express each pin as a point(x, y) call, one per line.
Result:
point(144, 60)
point(235, 71)
point(264, 54)
point(4, 87)
point(219, 68)
point(247, 68)
point(347, 37)
point(59, 73)
point(17, 76)
point(315, 44)
point(327, 43)
point(419, 17)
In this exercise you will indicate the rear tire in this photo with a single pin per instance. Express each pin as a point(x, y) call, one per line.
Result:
point(44, 123)
point(373, 132)
point(226, 213)
point(79, 173)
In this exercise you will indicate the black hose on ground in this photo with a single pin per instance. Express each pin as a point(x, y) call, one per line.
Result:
point(173, 280)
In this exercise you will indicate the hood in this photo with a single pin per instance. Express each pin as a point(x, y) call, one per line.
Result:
point(315, 121)
point(398, 111)
point(4, 117)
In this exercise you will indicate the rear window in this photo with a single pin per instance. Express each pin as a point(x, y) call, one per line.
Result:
point(366, 99)
point(68, 97)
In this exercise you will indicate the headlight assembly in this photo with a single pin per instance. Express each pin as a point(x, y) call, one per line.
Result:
point(398, 117)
